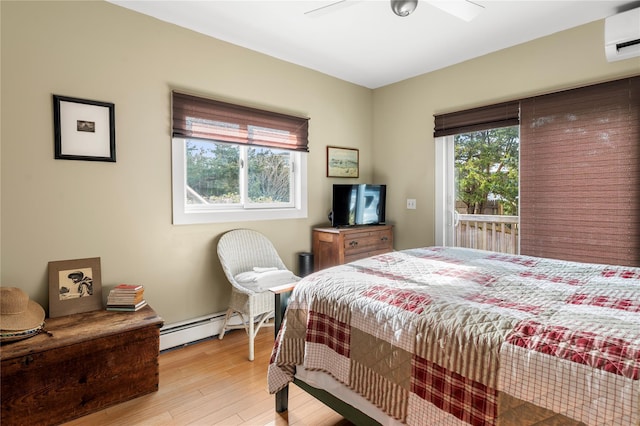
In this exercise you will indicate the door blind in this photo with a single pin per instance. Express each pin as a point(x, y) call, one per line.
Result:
point(580, 174)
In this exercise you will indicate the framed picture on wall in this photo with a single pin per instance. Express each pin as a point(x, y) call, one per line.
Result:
point(342, 162)
point(83, 129)
point(74, 286)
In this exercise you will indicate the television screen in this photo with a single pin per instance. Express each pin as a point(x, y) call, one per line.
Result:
point(362, 204)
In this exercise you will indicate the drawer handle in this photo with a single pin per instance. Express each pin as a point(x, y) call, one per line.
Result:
point(384, 238)
point(27, 360)
point(353, 243)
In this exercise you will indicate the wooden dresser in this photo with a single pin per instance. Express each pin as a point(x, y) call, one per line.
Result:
point(89, 362)
point(335, 246)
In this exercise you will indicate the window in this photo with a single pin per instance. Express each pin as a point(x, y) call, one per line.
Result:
point(477, 178)
point(579, 171)
point(233, 163)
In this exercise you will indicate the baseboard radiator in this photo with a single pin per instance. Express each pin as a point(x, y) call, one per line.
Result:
point(193, 330)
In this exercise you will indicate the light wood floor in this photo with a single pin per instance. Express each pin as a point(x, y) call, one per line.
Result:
point(213, 383)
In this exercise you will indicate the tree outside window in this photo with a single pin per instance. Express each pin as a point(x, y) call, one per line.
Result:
point(487, 176)
point(215, 174)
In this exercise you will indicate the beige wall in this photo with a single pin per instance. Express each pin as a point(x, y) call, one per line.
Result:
point(403, 146)
point(60, 209)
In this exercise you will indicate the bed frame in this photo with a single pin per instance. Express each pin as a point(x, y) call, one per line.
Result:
point(347, 411)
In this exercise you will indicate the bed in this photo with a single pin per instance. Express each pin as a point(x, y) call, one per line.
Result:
point(448, 336)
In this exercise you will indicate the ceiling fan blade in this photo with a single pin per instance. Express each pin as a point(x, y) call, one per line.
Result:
point(330, 8)
point(463, 9)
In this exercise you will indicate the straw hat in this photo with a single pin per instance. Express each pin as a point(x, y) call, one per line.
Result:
point(17, 312)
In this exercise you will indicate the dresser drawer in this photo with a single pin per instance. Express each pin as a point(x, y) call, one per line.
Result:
point(352, 257)
point(335, 246)
point(368, 241)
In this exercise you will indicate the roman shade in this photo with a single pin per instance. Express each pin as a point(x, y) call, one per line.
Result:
point(580, 174)
point(472, 120)
point(201, 118)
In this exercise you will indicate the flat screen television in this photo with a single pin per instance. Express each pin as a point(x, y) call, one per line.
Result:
point(359, 204)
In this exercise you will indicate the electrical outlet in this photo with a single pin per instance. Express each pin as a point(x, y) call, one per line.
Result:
point(411, 203)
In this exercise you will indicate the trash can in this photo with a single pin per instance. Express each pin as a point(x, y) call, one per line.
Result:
point(305, 264)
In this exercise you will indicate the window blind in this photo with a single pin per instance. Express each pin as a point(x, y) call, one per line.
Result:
point(580, 174)
point(476, 119)
point(202, 118)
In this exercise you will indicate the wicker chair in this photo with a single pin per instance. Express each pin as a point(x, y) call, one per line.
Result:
point(243, 250)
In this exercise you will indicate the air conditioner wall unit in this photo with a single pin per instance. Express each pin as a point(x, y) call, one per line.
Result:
point(622, 35)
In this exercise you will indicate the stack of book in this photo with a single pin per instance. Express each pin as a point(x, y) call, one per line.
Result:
point(126, 297)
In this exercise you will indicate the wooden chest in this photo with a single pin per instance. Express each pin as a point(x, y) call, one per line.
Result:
point(335, 246)
point(89, 362)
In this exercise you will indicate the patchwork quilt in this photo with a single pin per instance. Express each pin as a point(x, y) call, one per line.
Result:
point(447, 336)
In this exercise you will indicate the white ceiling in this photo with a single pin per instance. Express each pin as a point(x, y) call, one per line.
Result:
point(363, 42)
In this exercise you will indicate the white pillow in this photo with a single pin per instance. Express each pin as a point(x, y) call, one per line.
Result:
point(254, 275)
point(266, 269)
point(246, 277)
point(260, 281)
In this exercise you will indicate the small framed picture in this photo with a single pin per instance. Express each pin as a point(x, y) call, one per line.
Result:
point(342, 162)
point(74, 286)
point(84, 129)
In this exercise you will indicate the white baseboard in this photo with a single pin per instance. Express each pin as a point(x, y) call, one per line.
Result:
point(185, 332)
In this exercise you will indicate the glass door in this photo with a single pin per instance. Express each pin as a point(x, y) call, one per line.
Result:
point(477, 190)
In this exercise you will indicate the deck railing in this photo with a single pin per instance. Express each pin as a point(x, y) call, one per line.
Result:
point(488, 232)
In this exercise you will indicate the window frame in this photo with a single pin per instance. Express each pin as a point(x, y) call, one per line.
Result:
point(215, 214)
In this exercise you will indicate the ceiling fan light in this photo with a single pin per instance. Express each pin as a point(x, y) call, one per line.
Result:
point(403, 7)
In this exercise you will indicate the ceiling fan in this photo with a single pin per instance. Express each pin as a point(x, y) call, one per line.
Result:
point(462, 9)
